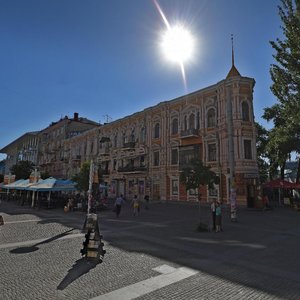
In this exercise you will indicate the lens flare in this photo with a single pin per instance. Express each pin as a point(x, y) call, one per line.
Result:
point(177, 44)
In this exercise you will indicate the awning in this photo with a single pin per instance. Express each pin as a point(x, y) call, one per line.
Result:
point(281, 184)
point(52, 184)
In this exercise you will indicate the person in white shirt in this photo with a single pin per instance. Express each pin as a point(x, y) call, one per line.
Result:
point(118, 205)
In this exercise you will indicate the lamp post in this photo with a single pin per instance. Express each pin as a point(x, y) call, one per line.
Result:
point(91, 178)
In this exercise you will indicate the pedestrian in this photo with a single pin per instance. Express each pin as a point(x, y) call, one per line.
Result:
point(213, 211)
point(218, 216)
point(118, 205)
point(146, 198)
point(136, 205)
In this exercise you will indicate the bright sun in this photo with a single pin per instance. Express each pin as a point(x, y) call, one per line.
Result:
point(178, 44)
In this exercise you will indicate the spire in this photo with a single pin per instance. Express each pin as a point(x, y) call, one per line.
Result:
point(232, 50)
point(233, 71)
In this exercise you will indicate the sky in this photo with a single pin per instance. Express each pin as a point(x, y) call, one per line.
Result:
point(102, 58)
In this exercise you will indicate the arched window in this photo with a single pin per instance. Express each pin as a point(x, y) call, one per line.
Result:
point(132, 137)
point(143, 135)
point(116, 140)
point(175, 126)
point(185, 123)
point(211, 118)
point(192, 121)
point(156, 131)
point(245, 111)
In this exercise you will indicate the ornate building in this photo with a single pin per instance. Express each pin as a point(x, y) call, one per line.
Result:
point(143, 153)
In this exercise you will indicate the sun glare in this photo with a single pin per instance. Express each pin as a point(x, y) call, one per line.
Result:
point(177, 44)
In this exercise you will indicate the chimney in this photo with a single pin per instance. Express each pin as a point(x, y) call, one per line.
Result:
point(75, 116)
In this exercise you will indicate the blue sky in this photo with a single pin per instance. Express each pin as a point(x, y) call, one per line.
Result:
point(101, 57)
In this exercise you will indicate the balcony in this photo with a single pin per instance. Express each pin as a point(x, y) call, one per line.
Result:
point(191, 132)
point(103, 171)
point(129, 145)
point(104, 151)
point(132, 169)
point(76, 157)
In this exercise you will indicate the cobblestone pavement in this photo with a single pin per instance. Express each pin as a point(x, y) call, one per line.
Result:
point(254, 258)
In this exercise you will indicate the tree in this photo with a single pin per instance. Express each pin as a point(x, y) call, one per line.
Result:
point(22, 169)
point(286, 82)
point(196, 174)
point(262, 157)
point(193, 176)
point(82, 178)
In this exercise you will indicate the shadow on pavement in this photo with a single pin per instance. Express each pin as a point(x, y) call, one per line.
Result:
point(22, 250)
point(81, 267)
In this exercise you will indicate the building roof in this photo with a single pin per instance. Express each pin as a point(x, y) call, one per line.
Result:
point(18, 141)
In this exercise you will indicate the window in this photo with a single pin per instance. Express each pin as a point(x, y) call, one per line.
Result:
point(174, 187)
point(211, 118)
point(156, 158)
point(185, 123)
point(212, 152)
point(115, 141)
point(174, 156)
point(143, 135)
point(213, 192)
point(142, 161)
point(156, 131)
point(132, 137)
point(175, 126)
point(192, 121)
point(247, 149)
point(245, 111)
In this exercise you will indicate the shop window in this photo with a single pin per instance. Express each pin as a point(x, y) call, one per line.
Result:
point(175, 189)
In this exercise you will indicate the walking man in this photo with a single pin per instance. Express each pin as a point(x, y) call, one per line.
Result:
point(213, 211)
point(118, 205)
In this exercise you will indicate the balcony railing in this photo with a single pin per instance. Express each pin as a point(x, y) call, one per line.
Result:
point(128, 169)
point(129, 145)
point(191, 132)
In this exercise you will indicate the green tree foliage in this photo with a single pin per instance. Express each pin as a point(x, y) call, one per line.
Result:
point(82, 178)
point(196, 174)
point(262, 157)
point(285, 74)
point(22, 169)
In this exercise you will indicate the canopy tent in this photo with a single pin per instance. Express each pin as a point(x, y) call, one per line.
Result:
point(21, 184)
point(281, 184)
point(52, 184)
point(13, 185)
